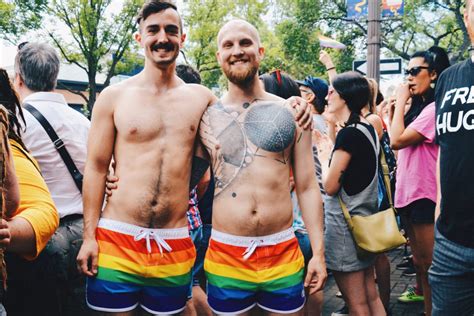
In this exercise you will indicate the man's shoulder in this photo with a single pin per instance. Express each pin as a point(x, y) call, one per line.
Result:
point(453, 71)
point(197, 92)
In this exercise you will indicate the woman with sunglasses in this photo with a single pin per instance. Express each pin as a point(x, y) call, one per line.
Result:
point(413, 135)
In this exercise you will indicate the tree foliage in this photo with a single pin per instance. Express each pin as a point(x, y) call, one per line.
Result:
point(94, 36)
point(19, 16)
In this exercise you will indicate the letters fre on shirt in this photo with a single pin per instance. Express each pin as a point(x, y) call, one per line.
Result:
point(455, 135)
point(73, 128)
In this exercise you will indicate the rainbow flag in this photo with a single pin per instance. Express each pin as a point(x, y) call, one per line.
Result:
point(330, 43)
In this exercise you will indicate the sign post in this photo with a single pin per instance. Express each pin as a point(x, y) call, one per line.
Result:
point(373, 41)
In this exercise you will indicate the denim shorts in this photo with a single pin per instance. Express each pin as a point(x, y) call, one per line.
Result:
point(451, 277)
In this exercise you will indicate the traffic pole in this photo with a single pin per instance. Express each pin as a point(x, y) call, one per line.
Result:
point(373, 40)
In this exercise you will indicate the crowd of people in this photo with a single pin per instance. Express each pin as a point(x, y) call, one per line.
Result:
point(172, 201)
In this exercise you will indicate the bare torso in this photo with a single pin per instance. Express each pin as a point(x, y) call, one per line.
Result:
point(250, 148)
point(155, 135)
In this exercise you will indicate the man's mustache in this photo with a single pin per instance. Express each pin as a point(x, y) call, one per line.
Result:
point(165, 46)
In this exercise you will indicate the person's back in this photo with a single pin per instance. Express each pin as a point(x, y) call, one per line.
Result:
point(73, 128)
point(36, 71)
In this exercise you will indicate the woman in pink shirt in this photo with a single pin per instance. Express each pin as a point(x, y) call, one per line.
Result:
point(413, 135)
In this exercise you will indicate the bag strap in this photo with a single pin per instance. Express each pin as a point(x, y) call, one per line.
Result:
point(345, 211)
point(386, 178)
point(58, 144)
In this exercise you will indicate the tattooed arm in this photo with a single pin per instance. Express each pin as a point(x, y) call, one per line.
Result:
point(339, 162)
point(310, 201)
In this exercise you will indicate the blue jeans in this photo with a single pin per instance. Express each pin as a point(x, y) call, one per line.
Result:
point(451, 277)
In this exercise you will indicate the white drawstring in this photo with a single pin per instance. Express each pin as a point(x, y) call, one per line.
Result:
point(147, 235)
point(254, 244)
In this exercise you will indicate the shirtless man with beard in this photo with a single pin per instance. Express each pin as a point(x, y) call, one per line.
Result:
point(138, 250)
point(254, 144)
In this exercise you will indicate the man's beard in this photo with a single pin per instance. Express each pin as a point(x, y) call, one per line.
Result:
point(243, 77)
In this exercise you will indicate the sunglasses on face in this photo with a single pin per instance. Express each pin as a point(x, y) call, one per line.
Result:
point(415, 70)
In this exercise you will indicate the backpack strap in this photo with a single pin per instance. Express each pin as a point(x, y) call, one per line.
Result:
point(58, 144)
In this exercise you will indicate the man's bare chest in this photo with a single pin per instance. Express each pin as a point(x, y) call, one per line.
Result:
point(154, 121)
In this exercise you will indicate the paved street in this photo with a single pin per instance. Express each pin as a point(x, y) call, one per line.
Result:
point(399, 285)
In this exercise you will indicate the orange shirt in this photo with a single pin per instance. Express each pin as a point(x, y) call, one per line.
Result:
point(36, 204)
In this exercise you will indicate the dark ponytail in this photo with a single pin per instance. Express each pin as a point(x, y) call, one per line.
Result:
point(354, 89)
point(437, 60)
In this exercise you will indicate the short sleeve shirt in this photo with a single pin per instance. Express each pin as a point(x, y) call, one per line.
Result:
point(362, 166)
point(36, 205)
point(416, 170)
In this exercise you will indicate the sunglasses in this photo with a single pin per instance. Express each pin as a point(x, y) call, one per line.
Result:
point(415, 70)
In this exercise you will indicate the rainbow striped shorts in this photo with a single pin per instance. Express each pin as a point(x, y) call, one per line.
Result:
point(141, 266)
point(246, 271)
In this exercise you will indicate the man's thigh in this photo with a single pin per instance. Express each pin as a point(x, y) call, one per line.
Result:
point(451, 278)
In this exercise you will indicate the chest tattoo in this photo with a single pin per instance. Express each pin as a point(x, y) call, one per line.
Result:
point(234, 139)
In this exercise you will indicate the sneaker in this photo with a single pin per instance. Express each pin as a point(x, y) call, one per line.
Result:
point(409, 272)
point(344, 311)
point(410, 296)
point(405, 264)
point(339, 294)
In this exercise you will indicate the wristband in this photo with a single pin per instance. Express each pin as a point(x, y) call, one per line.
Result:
point(330, 68)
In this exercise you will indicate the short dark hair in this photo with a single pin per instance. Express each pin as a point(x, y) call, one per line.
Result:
point(154, 6)
point(38, 66)
point(354, 89)
point(188, 74)
point(280, 84)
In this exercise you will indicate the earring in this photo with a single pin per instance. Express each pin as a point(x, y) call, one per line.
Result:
point(432, 84)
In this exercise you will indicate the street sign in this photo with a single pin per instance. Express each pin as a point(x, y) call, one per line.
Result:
point(357, 9)
point(389, 66)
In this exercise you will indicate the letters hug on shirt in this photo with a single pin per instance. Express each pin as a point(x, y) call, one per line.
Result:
point(455, 135)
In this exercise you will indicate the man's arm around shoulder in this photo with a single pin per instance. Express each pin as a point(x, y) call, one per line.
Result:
point(310, 202)
point(99, 153)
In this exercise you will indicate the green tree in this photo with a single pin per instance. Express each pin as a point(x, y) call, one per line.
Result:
point(425, 23)
point(94, 37)
point(19, 16)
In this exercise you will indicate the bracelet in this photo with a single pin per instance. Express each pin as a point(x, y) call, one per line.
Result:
point(330, 68)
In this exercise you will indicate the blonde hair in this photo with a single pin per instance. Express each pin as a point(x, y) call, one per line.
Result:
point(374, 90)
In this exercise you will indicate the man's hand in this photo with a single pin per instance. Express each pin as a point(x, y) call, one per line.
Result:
point(5, 235)
point(111, 185)
point(316, 275)
point(87, 257)
point(303, 111)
